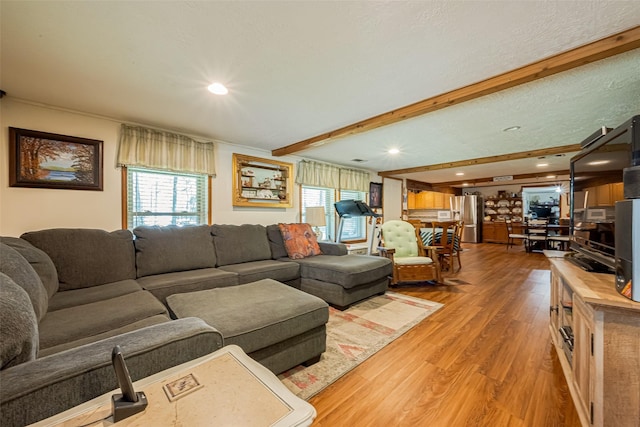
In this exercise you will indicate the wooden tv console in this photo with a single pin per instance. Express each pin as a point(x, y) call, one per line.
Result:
point(603, 370)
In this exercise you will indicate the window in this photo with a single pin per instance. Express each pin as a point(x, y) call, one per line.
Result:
point(354, 228)
point(317, 196)
point(165, 198)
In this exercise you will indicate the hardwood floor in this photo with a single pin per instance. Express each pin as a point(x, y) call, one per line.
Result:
point(484, 359)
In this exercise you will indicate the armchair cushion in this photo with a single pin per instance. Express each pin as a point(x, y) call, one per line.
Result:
point(414, 260)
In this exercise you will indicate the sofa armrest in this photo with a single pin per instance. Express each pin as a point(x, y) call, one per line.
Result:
point(36, 390)
point(332, 248)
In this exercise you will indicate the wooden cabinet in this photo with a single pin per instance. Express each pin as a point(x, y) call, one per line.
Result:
point(605, 195)
point(603, 369)
point(411, 200)
point(261, 183)
point(496, 232)
point(428, 200)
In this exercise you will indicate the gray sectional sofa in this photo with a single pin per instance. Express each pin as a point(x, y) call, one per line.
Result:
point(166, 295)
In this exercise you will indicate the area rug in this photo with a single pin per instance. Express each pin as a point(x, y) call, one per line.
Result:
point(356, 334)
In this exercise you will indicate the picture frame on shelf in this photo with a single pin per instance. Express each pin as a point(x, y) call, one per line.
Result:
point(48, 160)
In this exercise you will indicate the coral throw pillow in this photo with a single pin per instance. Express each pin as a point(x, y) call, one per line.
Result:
point(299, 240)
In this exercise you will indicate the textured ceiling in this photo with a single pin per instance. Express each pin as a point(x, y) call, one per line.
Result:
point(299, 69)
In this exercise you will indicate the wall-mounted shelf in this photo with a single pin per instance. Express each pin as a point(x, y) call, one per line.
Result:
point(261, 182)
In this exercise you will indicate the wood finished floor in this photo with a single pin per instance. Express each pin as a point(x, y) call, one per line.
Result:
point(484, 359)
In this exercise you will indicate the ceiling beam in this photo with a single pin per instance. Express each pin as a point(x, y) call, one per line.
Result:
point(484, 160)
point(487, 180)
point(595, 51)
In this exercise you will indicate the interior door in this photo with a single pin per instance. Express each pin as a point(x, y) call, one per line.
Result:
point(391, 198)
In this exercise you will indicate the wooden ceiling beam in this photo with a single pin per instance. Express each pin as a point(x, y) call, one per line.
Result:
point(487, 180)
point(484, 160)
point(595, 51)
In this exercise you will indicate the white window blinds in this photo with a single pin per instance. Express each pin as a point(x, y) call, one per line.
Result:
point(165, 198)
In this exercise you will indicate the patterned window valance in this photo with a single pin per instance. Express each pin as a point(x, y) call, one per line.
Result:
point(155, 149)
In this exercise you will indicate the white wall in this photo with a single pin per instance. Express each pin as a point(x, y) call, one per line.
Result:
point(30, 209)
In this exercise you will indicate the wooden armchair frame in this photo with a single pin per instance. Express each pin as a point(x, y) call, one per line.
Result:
point(418, 272)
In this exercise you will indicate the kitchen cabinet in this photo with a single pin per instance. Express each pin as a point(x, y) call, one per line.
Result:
point(496, 232)
point(428, 200)
point(595, 333)
point(605, 195)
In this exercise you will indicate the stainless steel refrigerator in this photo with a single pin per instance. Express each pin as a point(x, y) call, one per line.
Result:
point(469, 209)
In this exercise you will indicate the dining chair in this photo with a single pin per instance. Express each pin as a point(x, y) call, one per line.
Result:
point(457, 243)
point(512, 237)
point(559, 238)
point(443, 239)
point(412, 261)
point(537, 233)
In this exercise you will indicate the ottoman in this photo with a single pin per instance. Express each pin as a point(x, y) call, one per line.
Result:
point(277, 325)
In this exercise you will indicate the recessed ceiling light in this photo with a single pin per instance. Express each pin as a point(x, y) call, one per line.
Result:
point(394, 151)
point(541, 165)
point(218, 89)
point(509, 129)
point(551, 176)
point(465, 184)
point(459, 173)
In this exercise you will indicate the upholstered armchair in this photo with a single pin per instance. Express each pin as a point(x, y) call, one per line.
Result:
point(412, 262)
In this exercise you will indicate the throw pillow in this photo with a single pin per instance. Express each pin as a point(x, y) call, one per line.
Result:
point(299, 240)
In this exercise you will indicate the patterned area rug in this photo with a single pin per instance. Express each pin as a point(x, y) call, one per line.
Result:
point(356, 334)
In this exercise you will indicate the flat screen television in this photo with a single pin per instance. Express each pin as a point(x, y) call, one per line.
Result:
point(596, 184)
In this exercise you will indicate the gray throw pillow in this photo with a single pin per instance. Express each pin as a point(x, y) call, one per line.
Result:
point(18, 325)
point(20, 271)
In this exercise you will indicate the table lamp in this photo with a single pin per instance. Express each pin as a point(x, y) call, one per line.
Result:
point(316, 218)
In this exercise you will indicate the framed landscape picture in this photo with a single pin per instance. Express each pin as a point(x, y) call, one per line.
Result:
point(47, 160)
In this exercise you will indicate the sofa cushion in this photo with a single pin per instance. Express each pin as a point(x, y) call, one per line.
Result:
point(20, 271)
point(87, 257)
point(89, 320)
point(163, 285)
point(347, 271)
point(172, 248)
point(39, 260)
point(18, 325)
point(277, 312)
point(266, 269)
point(276, 242)
point(299, 240)
point(240, 243)
point(74, 297)
point(129, 327)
